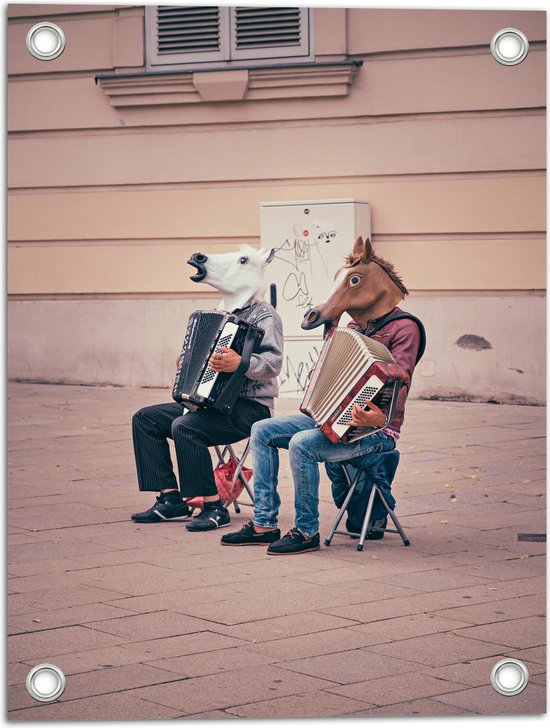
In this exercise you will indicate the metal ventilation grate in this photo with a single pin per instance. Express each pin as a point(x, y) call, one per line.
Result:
point(267, 27)
point(187, 29)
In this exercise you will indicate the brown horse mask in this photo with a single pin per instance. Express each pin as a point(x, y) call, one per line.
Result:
point(367, 287)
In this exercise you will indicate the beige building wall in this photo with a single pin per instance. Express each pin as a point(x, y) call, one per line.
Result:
point(117, 176)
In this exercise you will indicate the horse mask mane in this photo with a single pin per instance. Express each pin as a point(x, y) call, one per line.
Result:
point(367, 255)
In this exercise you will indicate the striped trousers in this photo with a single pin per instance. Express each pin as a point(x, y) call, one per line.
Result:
point(193, 433)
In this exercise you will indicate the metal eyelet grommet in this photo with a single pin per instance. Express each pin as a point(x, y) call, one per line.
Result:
point(509, 46)
point(45, 41)
point(509, 676)
point(45, 683)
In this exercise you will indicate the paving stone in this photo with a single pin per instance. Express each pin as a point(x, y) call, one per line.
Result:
point(439, 649)
point(539, 679)
point(536, 654)
point(150, 626)
point(171, 600)
point(99, 658)
point(397, 688)
point(37, 582)
point(52, 642)
point(435, 601)
point(57, 598)
point(499, 611)
point(187, 644)
point(221, 568)
point(508, 514)
point(93, 573)
point(135, 579)
point(45, 566)
point(212, 662)
point(19, 537)
point(517, 568)
point(433, 580)
point(322, 643)
point(424, 707)
point(318, 704)
point(84, 614)
point(403, 628)
point(475, 673)
point(212, 715)
point(298, 598)
point(473, 555)
point(486, 701)
point(17, 672)
point(228, 689)
point(113, 680)
point(373, 568)
point(96, 682)
point(350, 667)
point(265, 630)
point(519, 633)
point(104, 707)
point(46, 549)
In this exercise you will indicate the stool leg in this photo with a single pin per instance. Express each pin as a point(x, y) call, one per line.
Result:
point(239, 463)
point(341, 512)
point(366, 519)
point(395, 520)
point(220, 455)
point(238, 468)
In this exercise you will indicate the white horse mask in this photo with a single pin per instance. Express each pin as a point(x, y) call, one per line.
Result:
point(237, 275)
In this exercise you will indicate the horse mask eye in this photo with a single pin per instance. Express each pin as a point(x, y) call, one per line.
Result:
point(243, 260)
point(354, 280)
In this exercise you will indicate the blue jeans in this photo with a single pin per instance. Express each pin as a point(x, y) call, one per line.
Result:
point(307, 446)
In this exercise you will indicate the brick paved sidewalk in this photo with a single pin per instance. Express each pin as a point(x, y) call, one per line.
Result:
point(151, 621)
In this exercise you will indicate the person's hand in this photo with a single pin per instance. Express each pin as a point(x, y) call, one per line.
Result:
point(224, 360)
point(371, 417)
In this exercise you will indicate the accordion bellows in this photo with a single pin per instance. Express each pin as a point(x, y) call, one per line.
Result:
point(196, 385)
point(352, 368)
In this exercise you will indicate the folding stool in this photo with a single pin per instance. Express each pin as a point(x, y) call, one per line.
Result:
point(225, 453)
point(352, 484)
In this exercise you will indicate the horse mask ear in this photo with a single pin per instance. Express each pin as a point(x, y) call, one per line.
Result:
point(363, 251)
point(267, 255)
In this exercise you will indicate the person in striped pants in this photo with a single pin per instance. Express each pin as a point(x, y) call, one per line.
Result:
point(194, 432)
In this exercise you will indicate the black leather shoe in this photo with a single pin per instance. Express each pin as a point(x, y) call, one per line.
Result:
point(247, 536)
point(375, 535)
point(294, 542)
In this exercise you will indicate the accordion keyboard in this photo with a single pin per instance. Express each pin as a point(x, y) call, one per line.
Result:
point(209, 376)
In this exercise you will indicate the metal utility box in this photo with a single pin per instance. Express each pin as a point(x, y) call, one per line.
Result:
point(311, 239)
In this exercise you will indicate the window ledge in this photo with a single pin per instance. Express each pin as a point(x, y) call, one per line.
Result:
point(160, 88)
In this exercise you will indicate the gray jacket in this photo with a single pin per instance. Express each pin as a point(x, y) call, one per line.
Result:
point(261, 376)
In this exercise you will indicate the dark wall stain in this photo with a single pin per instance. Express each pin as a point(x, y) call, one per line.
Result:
point(471, 341)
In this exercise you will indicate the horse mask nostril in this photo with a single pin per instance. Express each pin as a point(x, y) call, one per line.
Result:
point(312, 316)
point(200, 258)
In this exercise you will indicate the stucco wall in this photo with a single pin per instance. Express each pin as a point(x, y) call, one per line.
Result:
point(111, 189)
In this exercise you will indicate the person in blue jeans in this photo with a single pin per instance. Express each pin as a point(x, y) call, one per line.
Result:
point(308, 446)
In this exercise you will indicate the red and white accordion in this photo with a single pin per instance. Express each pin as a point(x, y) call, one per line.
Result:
point(352, 368)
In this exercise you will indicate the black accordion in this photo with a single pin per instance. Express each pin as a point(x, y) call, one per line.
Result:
point(196, 385)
